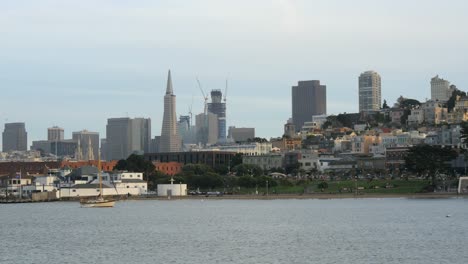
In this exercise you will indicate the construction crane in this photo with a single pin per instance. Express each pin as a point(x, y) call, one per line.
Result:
point(190, 112)
point(225, 91)
point(204, 96)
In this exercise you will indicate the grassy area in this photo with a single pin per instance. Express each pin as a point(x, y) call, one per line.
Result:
point(364, 186)
point(374, 186)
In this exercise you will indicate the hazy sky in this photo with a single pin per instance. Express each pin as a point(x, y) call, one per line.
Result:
point(76, 63)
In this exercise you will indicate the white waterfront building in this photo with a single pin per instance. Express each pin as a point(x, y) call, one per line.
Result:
point(121, 183)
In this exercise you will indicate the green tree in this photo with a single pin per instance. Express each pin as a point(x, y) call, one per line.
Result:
point(453, 98)
point(247, 169)
point(236, 160)
point(136, 163)
point(430, 160)
point(385, 105)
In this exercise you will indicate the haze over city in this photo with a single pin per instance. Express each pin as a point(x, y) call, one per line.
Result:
point(75, 64)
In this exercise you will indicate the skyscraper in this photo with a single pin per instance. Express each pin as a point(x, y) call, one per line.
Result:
point(370, 87)
point(15, 137)
point(170, 139)
point(440, 89)
point(308, 98)
point(207, 128)
point(55, 133)
point(218, 108)
point(125, 136)
point(89, 143)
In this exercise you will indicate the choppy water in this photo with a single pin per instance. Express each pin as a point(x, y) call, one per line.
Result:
point(238, 231)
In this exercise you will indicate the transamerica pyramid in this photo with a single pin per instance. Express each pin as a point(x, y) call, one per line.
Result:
point(170, 139)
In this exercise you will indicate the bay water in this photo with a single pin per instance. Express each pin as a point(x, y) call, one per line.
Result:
point(387, 230)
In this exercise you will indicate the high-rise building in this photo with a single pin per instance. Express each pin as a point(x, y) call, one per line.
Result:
point(15, 137)
point(370, 91)
point(170, 139)
point(241, 134)
point(125, 136)
point(89, 143)
point(440, 89)
point(207, 128)
point(55, 133)
point(218, 108)
point(308, 98)
point(186, 130)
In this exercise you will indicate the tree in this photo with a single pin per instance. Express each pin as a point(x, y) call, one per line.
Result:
point(430, 160)
point(453, 99)
point(236, 160)
point(136, 163)
point(464, 133)
point(385, 105)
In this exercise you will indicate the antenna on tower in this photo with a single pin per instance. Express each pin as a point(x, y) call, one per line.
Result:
point(225, 91)
point(204, 96)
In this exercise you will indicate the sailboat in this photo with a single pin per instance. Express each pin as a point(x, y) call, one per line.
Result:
point(99, 201)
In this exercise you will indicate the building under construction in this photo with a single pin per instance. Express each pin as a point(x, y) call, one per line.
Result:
point(218, 108)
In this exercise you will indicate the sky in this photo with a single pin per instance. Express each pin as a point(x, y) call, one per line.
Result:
point(76, 63)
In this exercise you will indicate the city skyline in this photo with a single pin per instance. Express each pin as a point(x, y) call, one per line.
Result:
point(114, 65)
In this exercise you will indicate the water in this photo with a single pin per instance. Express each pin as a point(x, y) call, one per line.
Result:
point(238, 231)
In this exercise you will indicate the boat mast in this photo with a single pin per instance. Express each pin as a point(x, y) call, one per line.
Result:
point(99, 175)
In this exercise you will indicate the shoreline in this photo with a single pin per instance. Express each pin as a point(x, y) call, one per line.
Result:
point(324, 196)
point(314, 196)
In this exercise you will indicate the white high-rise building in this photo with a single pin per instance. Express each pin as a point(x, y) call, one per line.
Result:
point(170, 139)
point(370, 91)
point(440, 89)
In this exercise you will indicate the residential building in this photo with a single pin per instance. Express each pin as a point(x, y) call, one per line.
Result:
point(434, 112)
point(14, 137)
point(440, 89)
point(309, 98)
point(370, 98)
point(289, 129)
point(416, 117)
point(170, 139)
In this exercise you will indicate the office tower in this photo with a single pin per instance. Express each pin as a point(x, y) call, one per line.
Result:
point(206, 128)
point(55, 133)
point(15, 137)
point(170, 139)
point(308, 98)
point(89, 143)
point(186, 130)
point(218, 108)
point(125, 136)
point(370, 97)
point(440, 89)
point(241, 134)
